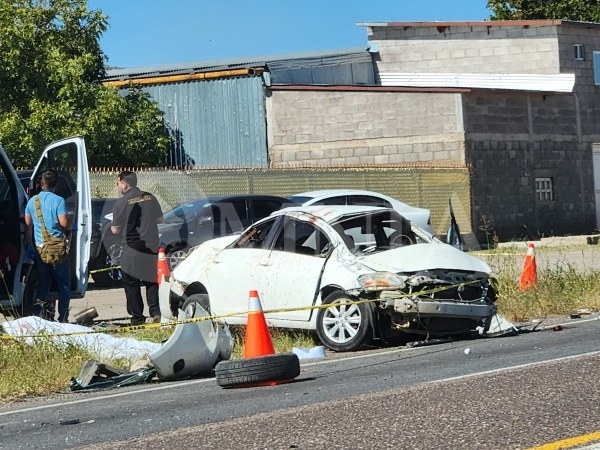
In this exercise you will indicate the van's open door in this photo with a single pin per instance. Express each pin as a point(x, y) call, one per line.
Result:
point(68, 158)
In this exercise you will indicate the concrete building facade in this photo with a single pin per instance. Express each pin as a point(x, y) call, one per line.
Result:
point(514, 101)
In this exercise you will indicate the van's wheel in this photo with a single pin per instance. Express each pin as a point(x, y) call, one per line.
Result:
point(258, 371)
point(345, 325)
point(25, 308)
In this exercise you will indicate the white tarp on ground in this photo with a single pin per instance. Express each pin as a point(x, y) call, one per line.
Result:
point(103, 347)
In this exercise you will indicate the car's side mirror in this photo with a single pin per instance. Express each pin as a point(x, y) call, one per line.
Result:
point(204, 220)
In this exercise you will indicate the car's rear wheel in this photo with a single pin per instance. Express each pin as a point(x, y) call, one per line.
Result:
point(103, 271)
point(114, 252)
point(344, 325)
point(175, 257)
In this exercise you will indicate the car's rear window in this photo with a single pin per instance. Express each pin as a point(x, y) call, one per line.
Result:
point(299, 199)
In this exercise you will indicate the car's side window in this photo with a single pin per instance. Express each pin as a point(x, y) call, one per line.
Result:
point(263, 208)
point(229, 217)
point(256, 236)
point(368, 200)
point(301, 237)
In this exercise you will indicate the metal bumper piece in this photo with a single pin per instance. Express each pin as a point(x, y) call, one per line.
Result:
point(193, 348)
point(430, 308)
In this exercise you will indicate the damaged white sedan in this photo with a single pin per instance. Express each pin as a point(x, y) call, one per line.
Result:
point(350, 273)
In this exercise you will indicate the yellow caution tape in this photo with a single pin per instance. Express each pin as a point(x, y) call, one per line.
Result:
point(106, 269)
point(219, 318)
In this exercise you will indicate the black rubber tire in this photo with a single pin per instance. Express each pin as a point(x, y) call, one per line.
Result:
point(258, 370)
point(362, 318)
point(200, 299)
point(26, 306)
point(102, 278)
point(113, 246)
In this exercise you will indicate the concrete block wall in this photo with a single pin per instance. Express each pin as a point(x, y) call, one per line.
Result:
point(467, 49)
point(350, 128)
point(509, 148)
point(589, 36)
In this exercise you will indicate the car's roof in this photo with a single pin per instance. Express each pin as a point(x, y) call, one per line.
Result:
point(328, 192)
point(212, 199)
point(329, 213)
point(220, 198)
point(229, 197)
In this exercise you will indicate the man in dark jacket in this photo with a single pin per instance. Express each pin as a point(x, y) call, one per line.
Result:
point(135, 216)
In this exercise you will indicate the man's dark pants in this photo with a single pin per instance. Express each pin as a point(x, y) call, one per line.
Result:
point(140, 270)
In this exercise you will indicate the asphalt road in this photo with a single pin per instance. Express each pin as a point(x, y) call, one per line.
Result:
point(495, 393)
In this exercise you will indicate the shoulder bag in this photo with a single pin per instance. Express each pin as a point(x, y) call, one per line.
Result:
point(54, 250)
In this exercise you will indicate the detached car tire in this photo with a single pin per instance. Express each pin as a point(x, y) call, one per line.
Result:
point(258, 370)
point(344, 327)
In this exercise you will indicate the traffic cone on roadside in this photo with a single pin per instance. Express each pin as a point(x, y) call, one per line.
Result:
point(529, 274)
point(162, 266)
point(257, 341)
point(260, 366)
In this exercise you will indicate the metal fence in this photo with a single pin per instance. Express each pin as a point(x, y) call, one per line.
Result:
point(424, 187)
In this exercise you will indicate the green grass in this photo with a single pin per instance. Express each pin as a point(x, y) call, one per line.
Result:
point(562, 287)
point(564, 282)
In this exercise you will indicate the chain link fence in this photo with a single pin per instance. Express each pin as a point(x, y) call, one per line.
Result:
point(424, 187)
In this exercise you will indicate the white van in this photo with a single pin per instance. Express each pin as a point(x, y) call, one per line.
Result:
point(18, 274)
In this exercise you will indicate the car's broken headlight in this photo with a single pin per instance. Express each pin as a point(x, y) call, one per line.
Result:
point(381, 281)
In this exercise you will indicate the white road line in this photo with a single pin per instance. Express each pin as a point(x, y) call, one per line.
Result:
point(205, 380)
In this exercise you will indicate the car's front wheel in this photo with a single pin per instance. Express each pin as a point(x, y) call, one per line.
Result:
point(345, 324)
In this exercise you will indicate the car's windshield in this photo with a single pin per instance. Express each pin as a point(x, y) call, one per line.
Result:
point(378, 231)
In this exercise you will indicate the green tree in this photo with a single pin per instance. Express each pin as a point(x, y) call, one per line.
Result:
point(575, 10)
point(51, 67)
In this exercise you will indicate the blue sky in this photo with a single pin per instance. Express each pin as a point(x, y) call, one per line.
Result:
point(152, 32)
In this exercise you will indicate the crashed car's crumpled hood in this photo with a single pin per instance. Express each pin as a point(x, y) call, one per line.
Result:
point(419, 257)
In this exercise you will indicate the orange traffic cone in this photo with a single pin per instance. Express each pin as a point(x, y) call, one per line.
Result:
point(258, 339)
point(529, 274)
point(162, 266)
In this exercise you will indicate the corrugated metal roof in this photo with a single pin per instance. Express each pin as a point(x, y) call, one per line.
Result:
point(303, 59)
point(563, 82)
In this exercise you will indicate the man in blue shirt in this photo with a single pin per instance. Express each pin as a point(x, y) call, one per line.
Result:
point(54, 214)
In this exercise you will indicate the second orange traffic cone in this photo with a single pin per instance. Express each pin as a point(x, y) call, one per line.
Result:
point(529, 274)
point(162, 266)
point(257, 339)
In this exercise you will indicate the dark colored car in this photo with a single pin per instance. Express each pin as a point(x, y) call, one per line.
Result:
point(196, 221)
point(105, 248)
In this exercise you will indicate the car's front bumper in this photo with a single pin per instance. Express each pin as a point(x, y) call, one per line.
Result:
point(439, 308)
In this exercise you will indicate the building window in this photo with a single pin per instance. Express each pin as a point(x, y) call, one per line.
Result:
point(596, 57)
point(543, 189)
point(579, 55)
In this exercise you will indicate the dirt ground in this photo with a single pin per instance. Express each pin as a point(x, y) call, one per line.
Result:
point(109, 303)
